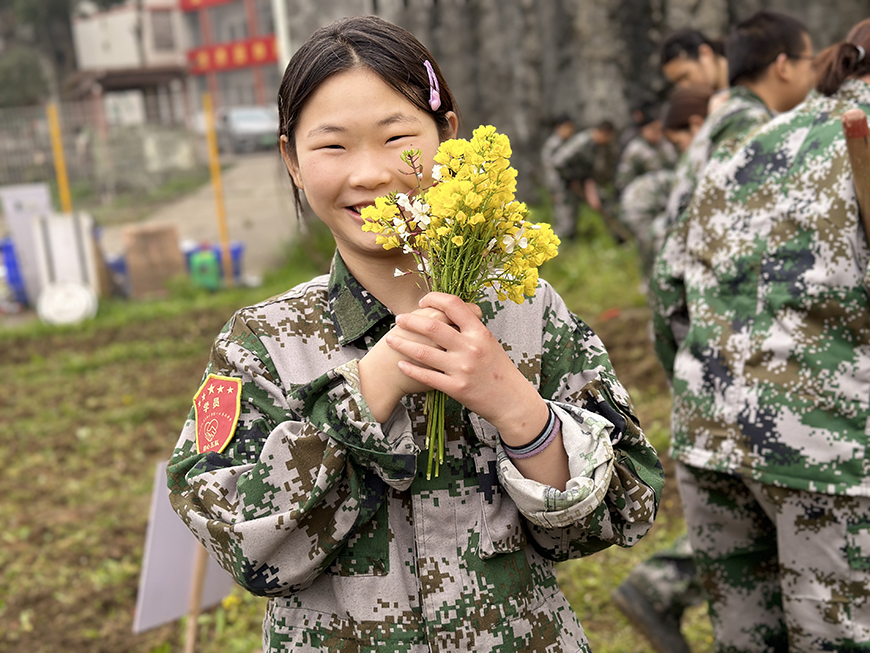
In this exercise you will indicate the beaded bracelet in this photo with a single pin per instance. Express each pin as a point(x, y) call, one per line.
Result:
point(536, 446)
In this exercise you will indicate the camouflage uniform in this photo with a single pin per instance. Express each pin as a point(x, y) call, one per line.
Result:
point(724, 128)
point(566, 202)
point(643, 211)
point(763, 322)
point(330, 514)
point(640, 157)
point(578, 158)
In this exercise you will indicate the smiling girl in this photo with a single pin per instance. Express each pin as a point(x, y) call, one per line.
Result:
point(311, 487)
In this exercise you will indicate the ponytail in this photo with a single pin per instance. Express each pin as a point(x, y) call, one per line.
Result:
point(845, 60)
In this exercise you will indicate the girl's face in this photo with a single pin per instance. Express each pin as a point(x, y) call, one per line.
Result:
point(349, 139)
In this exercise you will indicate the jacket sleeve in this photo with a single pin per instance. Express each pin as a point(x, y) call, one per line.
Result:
point(616, 477)
point(307, 467)
point(667, 296)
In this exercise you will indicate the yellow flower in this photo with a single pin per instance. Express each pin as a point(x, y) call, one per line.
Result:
point(457, 240)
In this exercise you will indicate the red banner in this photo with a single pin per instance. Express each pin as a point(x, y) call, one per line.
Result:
point(193, 5)
point(236, 54)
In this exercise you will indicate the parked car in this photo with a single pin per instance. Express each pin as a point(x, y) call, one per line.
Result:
point(246, 128)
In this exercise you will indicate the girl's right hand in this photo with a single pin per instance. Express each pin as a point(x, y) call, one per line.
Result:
point(382, 383)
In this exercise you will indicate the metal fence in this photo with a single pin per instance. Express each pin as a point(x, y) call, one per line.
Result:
point(107, 149)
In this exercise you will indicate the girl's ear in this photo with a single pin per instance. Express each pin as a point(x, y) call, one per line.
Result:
point(290, 162)
point(454, 124)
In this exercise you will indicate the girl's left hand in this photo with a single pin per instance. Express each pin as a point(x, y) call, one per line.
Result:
point(470, 365)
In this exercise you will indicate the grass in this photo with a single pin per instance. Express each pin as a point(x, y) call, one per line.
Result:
point(93, 407)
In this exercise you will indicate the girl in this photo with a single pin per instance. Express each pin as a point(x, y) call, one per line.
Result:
point(309, 484)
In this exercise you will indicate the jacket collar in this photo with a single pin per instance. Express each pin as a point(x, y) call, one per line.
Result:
point(355, 311)
point(854, 90)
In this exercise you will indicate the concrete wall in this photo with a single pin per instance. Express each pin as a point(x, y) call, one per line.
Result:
point(518, 63)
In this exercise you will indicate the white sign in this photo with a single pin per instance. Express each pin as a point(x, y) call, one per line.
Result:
point(167, 566)
point(21, 205)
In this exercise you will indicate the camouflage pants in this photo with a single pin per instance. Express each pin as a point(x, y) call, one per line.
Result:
point(784, 569)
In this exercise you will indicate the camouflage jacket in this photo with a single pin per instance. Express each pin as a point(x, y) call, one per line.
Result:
point(577, 158)
point(641, 157)
point(771, 370)
point(552, 179)
point(330, 514)
point(643, 204)
point(724, 128)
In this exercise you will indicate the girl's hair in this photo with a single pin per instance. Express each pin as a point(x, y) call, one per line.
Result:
point(841, 61)
point(685, 43)
point(389, 51)
point(685, 102)
point(755, 43)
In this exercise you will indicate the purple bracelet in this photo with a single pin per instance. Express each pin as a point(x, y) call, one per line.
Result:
point(536, 446)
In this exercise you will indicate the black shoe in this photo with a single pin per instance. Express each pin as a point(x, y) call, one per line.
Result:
point(662, 629)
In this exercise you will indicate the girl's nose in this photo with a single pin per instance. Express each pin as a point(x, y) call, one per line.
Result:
point(371, 170)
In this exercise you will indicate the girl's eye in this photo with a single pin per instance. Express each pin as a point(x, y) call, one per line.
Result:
point(396, 138)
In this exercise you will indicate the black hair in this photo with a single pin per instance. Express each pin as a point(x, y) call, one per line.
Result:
point(756, 42)
point(685, 102)
point(685, 43)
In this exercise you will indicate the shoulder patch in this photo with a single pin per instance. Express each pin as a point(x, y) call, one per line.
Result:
point(218, 404)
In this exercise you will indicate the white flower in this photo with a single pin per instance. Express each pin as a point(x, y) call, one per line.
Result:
point(403, 201)
point(418, 209)
point(436, 172)
point(400, 273)
point(519, 240)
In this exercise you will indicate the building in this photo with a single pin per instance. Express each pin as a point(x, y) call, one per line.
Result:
point(132, 57)
point(232, 51)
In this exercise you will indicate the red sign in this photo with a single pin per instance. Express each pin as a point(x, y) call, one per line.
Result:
point(236, 54)
point(193, 5)
point(218, 404)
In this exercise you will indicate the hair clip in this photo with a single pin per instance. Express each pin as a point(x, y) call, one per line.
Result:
point(434, 91)
point(861, 53)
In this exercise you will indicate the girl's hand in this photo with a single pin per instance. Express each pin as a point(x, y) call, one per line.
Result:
point(458, 355)
point(382, 382)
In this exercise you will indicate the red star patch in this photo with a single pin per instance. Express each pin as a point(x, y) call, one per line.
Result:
point(218, 404)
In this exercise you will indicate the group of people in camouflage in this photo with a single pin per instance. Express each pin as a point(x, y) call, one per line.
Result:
point(760, 293)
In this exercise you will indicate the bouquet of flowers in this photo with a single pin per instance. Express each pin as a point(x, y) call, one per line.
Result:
point(466, 232)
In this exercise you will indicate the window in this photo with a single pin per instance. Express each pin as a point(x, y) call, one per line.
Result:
point(265, 21)
point(193, 28)
point(162, 30)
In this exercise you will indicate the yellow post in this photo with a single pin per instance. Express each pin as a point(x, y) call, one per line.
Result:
point(59, 160)
point(217, 184)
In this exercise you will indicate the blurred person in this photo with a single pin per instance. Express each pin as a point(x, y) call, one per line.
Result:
point(764, 329)
point(643, 204)
point(687, 57)
point(648, 151)
point(579, 160)
point(564, 201)
point(584, 161)
point(770, 71)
